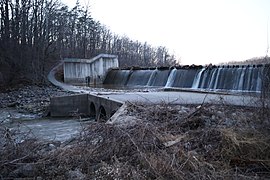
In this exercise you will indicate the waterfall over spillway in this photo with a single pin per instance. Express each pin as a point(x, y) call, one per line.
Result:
point(139, 78)
point(158, 78)
point(171, 78)
point(226, 78)
point(243, 78)
point(196, 81)
point(119, 78)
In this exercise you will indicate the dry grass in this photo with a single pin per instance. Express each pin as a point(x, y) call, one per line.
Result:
point(169, 142)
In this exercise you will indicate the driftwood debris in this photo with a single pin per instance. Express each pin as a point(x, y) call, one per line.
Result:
point(161, 141)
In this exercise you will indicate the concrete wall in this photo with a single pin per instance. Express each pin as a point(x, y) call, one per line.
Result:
point(69, 106)
point(76, 70)
point(83, 105)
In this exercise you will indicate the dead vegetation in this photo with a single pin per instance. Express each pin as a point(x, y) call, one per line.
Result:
point(167, 142)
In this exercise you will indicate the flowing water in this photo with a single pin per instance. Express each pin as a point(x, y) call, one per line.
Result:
point(228, 78)
point(31, 126)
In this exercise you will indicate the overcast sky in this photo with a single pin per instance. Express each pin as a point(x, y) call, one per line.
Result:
point(197, 31)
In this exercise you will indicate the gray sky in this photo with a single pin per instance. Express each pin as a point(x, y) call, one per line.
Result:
point(197, 31)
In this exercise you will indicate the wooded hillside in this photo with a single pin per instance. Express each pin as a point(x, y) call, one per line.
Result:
point(35, 34)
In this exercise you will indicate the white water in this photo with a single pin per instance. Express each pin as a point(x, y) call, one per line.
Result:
point(152, 77)
point(197, 79)
point(171, 78)
point(212, 79)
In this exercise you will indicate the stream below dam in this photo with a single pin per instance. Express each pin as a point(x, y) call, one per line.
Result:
point(21, 125)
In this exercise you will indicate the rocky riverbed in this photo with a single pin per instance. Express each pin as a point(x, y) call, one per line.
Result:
point(30, 99)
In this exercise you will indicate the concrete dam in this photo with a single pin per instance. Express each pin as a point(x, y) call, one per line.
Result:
point(197, 85)
point(212, 78)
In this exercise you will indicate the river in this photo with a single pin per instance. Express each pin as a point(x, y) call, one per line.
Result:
point(23, 125)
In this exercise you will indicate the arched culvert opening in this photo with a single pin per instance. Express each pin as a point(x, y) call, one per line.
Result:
point(102, 117)
point(92, 109)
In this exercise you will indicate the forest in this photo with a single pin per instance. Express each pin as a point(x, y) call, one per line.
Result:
point(36, 34)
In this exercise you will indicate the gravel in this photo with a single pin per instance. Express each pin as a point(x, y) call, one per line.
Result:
point(30, 99)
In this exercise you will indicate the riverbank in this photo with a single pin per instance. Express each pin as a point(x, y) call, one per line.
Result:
point(141, 141)
point(162, 141)
point(31, 99)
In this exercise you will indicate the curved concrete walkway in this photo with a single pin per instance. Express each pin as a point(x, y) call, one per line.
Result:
point(66, 87)
point(170, 97)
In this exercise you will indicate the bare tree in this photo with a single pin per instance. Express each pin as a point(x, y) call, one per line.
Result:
point(36, 33)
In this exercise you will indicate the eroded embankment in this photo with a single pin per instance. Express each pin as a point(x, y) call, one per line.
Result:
point(158, 141)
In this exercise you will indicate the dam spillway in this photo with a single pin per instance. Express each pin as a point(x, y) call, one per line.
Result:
point(244, 78)
point(253, 78)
